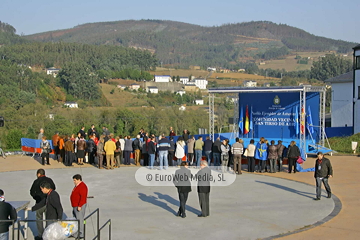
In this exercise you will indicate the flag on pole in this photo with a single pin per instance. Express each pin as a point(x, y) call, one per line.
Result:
point(297, 120)
point(247, 130)
point(251, 121)
point(309, 122)
point(302, 121)
point(241, 120)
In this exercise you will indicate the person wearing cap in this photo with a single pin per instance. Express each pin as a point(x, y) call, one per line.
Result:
point(323, 171)
point(7, 212)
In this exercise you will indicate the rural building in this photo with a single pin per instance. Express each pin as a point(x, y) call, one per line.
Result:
point(249, 83)
point(211, 69)
point(71, 104)
point(182, 108)
point(162, 78)
point(192, 67)
point(191, 87)
point(181, 92)
point(199, 102)
point(52, 71)
point(134, 86)
point(152, 89)
point(241, 70)
point(356, 89)
point(184, 80)
point(341, 100)
point(200, 82)
point(122, 87)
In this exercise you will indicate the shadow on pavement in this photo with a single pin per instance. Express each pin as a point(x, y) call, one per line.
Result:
point(304, 194)
point(154, 200)
point(176, 202)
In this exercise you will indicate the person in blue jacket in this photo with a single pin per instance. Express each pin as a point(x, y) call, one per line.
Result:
point(261, 154)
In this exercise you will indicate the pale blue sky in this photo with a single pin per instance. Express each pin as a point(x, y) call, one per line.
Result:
point(337, 19)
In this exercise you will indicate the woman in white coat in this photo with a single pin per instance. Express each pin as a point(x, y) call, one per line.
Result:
point(180, 151)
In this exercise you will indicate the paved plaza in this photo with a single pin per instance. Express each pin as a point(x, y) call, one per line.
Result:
point(255, 206)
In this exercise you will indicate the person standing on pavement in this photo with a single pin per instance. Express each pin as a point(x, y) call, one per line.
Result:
point(190, 143)
point(78, 199)
point(182, 183)
point(163, 147)
point(250, 153)
point(100, 152)
point(199, 144)
point(292, 154)
point(203, 176)
point(171, 152)
point(128, 149)
point(216, 151)
point(7, 212)
point(207, 149)
point(41, 134)
point(136, 145)
point(55, 140)
point(237, 150)
point(272, 156)
point(323, 171)
point(151, 152)
point(109, 149)
point(45, 150)
point(280, 152)
point(40, 198)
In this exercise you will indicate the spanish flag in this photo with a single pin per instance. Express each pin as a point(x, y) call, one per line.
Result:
point(247, 122)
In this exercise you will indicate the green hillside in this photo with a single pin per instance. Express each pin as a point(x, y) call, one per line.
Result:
point(182, 44)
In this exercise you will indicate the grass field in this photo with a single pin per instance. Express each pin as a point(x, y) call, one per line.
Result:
point(122, 98)
point(290, 63)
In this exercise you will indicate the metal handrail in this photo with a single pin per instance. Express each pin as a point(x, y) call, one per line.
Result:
point(102, 227)
point(50, 220)
point(13, 229)
point(97, 211)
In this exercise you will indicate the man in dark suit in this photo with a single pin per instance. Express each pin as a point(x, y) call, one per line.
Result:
point(183, 185)
point(203, 177)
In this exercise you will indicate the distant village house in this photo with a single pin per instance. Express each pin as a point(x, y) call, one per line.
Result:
point(162, 78)
point(134, 86)
point(152, 89)
point(71, 104)
point(52, 71)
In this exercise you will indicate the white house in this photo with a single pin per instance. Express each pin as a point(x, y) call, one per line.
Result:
point(52, 71)
point(184, 80)
point(71, 104)
point(211, 69)
point(181, 92)
point(134, 86)
point(182, 108)
point(249, 83)
point(199, 102)
point(122, 87)
point(152, 89)
point(356, 89)
point(200, 83)
point(162, 78)
point(341, 100)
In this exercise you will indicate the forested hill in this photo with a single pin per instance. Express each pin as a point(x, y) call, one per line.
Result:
point(184, 44)
point(8, 36)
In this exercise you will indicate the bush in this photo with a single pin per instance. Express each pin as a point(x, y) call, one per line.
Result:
point(13, 139)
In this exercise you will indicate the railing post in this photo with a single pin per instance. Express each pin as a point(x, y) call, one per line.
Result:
point(84, 230)
point(109, 229)
point(98, 224)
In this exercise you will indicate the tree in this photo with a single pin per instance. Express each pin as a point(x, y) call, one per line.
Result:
point(79, 81)
point(330, 66)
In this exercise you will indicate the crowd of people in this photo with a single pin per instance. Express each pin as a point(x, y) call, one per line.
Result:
point(108, 151)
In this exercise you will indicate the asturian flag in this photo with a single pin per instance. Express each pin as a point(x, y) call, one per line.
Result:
point(297, 120)
point(241, 120)
point(309, 121)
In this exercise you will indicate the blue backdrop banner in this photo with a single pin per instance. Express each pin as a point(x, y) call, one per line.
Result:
point(274, 114)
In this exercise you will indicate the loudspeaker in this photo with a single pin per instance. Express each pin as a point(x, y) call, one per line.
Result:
point(1, 121)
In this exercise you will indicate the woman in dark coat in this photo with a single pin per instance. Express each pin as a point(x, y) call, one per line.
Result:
point(292, 155)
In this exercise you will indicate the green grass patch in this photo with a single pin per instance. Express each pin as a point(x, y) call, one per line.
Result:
point(343, 144)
